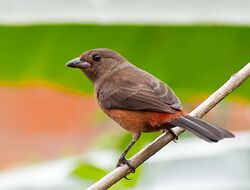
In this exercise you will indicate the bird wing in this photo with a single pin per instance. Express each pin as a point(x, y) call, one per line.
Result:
point(152, 96)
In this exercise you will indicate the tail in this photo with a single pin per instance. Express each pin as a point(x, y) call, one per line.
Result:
point(205, 131)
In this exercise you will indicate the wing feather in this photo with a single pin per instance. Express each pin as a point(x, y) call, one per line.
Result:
point(154, 96)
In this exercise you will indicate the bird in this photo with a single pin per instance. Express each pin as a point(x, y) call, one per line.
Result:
point(138, 101)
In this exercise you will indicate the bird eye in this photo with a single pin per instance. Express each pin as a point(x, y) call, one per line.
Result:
point(96, 57)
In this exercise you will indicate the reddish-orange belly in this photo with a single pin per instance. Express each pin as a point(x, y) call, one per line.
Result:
point(141, 121)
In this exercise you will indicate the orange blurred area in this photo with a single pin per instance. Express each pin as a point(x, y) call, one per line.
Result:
point(39, 123)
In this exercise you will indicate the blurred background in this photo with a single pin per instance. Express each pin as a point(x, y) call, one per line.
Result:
point(54, 136)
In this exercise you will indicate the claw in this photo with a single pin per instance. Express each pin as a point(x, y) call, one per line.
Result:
point(127, 178)
point(123, 161)
point(174, 135)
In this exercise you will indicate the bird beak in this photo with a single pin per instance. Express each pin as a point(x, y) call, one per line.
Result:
point(77, 63)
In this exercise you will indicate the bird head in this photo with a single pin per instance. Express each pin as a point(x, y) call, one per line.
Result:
point(97, 63)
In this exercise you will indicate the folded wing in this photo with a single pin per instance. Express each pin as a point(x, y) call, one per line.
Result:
point(152, 96)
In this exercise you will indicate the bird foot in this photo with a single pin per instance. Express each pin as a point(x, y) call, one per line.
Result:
point(123, 161)
point(174, 135)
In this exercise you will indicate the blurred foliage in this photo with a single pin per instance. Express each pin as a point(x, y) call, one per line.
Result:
point(89, 172)
point(189, 58)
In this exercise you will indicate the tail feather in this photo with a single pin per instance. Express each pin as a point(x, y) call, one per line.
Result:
point(223, 132)
point(202, 129)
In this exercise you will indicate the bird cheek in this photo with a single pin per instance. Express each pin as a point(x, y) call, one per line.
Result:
point(90, 69)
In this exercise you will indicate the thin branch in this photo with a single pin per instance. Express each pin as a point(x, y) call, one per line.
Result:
point(117, 174)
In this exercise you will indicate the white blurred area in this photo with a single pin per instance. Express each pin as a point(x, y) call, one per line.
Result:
point(129, 11)
point(190, 164)
point(196, 164)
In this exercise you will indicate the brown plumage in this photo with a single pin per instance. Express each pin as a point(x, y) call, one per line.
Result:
point(136, 100)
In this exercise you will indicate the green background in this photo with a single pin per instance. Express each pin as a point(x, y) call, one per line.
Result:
point(191, 59)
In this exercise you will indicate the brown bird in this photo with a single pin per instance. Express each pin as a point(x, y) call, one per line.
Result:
point(136, 100)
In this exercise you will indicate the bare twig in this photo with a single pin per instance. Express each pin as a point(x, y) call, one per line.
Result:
point(117, 174)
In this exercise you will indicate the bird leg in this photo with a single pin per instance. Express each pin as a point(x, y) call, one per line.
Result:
point(172, 133)
point(122, 160)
